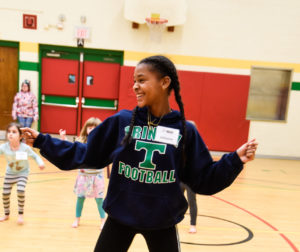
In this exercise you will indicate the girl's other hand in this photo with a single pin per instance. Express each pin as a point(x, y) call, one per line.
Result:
point(29, 135)
point(62, 134)
point(42, 167)
point(247, 151)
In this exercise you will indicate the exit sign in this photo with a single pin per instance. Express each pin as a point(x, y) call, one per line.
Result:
point(82, 32)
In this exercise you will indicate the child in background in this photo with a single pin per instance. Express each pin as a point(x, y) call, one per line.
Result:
point(191, 197)
point(89, 182)
point(17, 169)
point(25, 107)
point(153, 148)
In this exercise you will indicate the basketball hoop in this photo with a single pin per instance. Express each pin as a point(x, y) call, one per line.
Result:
point(156, 26)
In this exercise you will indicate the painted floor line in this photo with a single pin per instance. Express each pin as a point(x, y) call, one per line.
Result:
point(295, 249)
point(268, 187)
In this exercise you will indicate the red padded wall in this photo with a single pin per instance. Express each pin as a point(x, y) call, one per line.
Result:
point(127, 98)
point(224, 104)
point(191, 84)
point(65, 118)
point(215, 102)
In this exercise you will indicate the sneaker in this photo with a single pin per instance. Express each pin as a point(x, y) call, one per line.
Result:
point(193, 229)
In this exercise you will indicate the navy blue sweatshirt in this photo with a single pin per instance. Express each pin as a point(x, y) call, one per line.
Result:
point(144, 190)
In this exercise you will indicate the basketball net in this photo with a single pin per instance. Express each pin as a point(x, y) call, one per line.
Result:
point(156, 26)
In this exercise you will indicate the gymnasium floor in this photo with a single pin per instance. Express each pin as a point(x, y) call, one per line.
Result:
point(259, 212)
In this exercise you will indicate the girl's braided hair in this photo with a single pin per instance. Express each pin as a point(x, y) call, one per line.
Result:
point(163, 67)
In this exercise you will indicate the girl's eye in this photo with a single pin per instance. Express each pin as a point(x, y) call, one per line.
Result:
point(138, 81)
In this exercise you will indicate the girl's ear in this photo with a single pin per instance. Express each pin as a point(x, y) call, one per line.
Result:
point(166, 82)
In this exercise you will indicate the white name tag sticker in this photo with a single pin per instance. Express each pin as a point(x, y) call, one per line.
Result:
point(21, 155)
point(166, 135)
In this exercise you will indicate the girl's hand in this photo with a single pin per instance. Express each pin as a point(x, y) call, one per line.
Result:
point(29, 135)
point(62, 134)
point(247, 151)
point(42, 167)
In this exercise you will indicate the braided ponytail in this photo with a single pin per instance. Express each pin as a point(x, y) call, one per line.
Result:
point(127, 138)
point(176, 87)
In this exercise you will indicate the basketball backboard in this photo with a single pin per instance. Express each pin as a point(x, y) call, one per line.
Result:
point(174, 11)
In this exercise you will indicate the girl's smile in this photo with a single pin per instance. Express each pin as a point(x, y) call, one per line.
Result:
point(151, 90)
point(144, 83)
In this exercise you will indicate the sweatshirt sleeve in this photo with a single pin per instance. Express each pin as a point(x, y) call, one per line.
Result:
point(94, 155)
point(204, 175)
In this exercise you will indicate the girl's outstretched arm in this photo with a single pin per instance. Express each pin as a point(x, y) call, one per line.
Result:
point(63, 154)
point(204, 175)
point(96, 154)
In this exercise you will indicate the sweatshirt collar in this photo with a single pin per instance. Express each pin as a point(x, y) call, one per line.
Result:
point(173, 116)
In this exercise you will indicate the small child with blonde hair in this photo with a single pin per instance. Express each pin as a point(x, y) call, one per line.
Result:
point(89, 182)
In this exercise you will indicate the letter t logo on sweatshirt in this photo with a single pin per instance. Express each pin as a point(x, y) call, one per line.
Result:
point(150, 148)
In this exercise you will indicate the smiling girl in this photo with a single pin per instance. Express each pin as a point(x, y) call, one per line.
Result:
point(17, 169)
point(152, 149)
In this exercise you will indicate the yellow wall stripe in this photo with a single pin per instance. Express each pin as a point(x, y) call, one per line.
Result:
point(29, 47)
point(213, 62)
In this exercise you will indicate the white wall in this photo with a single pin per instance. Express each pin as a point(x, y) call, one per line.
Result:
point(265, 30)
point(249, 31)
point(280, 139)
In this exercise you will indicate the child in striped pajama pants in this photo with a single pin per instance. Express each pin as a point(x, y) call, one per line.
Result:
point(17, 169)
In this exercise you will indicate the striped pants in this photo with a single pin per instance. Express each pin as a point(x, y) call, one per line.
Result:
point(9, 181)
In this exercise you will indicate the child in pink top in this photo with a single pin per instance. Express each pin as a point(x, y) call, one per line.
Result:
point(25, 107)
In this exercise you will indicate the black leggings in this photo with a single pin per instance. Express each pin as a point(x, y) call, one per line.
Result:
point(192, 202)
point(116, 237)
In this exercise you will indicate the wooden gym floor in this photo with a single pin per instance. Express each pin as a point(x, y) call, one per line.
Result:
point(259, 212)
